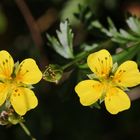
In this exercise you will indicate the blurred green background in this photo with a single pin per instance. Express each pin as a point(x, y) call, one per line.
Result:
point(59, 115)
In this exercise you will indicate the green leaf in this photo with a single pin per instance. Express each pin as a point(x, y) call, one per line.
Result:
point(127, 54)
point(122, 36)
point(64, 44)
point(134, 24)
point(87, 47)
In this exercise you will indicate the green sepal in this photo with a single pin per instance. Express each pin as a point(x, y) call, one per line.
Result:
point(53, 73)
point(114, 68)
point(16, 66)
point(96, 105)
point(15, 119)
point(124, 88)
point(27, 86)
point(102, 98)
point(92, 76)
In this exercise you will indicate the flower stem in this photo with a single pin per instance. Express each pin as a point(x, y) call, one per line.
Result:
point(83, 55)
point(26, 130)
point(75, 61)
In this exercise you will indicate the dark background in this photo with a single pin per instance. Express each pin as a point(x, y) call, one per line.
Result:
point(59, 115)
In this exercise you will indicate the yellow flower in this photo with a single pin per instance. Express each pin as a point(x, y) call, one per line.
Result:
point(108, 86)
point(14, 83)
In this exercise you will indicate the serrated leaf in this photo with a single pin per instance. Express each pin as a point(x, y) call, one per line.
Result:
point(111, 25)
point(65, 37)
point(64, 44)
point(96, 24)
point(134, 24)
point(87, 47)
point(126, 54)
point(127, 35)
point(56, 45)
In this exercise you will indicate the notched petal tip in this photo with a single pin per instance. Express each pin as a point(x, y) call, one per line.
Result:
point(127, 74)
point(6, 65)
point(23, 100)
point(89, 91)
point(100, 63)
point(28, 72)
point(117, 101)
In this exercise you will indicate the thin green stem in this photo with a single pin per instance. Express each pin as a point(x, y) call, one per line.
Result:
point(26, 130)
point(82, 55)
point(77, 59)
point(118, 57)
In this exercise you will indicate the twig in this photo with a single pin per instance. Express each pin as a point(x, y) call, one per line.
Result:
point(134, 94)
point(34, 29)
point(30, 22)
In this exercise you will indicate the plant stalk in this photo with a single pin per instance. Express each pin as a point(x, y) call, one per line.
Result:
point(26, 130)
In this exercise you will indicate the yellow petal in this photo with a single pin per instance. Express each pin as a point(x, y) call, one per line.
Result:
point(127, 74)
point(89, 91)
point(116, 101)
point(6, 65)
point(22, 100)
point(3, 93)
point(28, 72)
point(100, 63)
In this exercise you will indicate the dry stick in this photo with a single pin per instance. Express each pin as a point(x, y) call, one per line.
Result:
point(34, 30)
point(134, 93)
point(30, 22)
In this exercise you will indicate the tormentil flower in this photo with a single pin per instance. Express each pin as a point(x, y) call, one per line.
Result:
point(14, 83)
point(108, 86)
